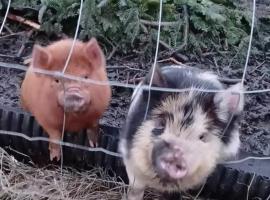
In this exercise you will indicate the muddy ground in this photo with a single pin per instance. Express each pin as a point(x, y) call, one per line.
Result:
point(255, 125)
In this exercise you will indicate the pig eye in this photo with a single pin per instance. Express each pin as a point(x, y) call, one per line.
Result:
point(86, 77)
point(56, 80)
point(202, 137)
point(159, 127)
point(158, 131)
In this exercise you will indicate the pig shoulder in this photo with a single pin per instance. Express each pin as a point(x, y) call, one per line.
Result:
point(37, 98)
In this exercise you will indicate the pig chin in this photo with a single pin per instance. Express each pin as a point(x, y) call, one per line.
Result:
point(73, 102)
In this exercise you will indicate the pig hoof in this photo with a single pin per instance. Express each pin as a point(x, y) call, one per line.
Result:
point(92, 137)
point(93, 144)
point(55, 153)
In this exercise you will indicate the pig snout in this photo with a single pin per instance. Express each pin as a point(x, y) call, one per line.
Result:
point(168, 161)
point(73, 100)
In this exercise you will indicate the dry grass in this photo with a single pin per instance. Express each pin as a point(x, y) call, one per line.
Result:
point(19, 181)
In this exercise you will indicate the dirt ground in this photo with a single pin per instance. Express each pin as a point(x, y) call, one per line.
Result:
point(255, 125)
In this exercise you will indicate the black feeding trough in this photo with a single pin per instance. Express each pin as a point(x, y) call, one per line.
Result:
point(233, 182)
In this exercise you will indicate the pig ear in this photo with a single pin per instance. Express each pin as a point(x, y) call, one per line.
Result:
point(232, 99)
point(41, 57)
point(158, 78)
point(94, 53)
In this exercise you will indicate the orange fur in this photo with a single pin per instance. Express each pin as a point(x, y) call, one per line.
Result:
point(39, 92)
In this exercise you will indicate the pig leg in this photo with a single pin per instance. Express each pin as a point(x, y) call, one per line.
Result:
point(135, 193)
point(93, 134)
point(55, 149)
point(136, 187)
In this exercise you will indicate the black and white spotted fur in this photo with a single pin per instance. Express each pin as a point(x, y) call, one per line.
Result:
point(184, 136)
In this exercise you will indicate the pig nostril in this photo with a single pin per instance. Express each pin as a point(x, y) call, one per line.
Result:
point(181, 165)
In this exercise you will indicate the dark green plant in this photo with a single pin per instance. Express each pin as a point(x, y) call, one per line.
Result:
point(131, 25)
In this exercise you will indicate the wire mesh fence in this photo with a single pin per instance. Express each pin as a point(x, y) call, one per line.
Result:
point(62, 74)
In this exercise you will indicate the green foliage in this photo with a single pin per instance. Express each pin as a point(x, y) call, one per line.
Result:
point(118, 24)
point(24, 4)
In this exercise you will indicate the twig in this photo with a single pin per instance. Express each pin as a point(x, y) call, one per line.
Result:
point(231, 61)
point(200, 191)
point(153, 23)
point(125, 67)
point(116, 67)
point(112, 53)
point(186, 31)
point(186, 19)
point(113, 46)
point(24, 21)
point(12, 66)
point(209, 53)
point(18, 152)
point(7, 56)
point(21, 49)
point(8, 29)
point(127, 80)
point(164, 44)
point(136, 80)
point(172, 60)
point(173, 53)
point(25, 40)
point(144, 28)
point(13, 34)
point(216, 64)
point(249, 186)
point(258, 66)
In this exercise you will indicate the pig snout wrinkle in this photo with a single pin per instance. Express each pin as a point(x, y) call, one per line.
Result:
point(73, 89)
point(73, 102)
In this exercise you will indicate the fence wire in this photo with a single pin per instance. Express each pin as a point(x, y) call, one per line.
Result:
point(68, 144)
point(250, 42)
point(75, 38)
point(58, 74)
point(5, 17)
point(61, 74)
point(155, 60)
